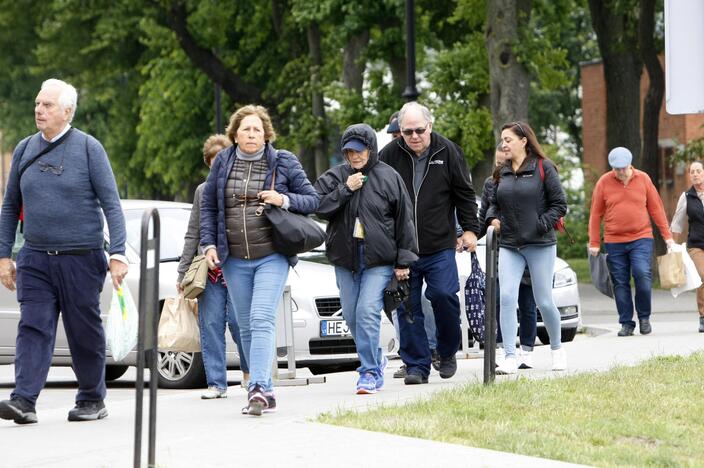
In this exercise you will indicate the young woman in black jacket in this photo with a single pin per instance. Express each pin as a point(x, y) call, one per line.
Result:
point(370, 237)
point(526, 204)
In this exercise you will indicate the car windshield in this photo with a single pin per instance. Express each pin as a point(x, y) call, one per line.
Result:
point(173, 225)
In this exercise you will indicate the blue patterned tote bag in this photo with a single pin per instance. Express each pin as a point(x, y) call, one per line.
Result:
point(474, 300)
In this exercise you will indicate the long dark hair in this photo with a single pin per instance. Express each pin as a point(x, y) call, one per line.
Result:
point(523, 130)
point(496, 173)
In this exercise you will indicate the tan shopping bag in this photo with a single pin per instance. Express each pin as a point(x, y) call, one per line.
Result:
point(178, 325)
point(196, 277)
point(671, 270)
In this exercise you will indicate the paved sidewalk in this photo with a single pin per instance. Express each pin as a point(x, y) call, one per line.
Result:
point(192, 432)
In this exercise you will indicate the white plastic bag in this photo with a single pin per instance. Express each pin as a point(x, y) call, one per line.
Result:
point(123, 323)
point(690, 271)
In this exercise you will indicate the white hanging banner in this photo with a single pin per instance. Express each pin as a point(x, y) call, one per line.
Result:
point(684, 56)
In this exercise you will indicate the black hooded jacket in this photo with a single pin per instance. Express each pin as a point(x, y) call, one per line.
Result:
point(527, 206)
point(382, 205)
point(446, 189)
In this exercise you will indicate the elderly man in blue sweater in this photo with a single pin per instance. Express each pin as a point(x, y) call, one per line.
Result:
point(60, 181)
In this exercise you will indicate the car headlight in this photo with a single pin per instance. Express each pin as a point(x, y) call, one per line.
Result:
point(564, 277)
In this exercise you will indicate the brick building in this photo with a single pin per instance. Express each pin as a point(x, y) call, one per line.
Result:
point(674, 130)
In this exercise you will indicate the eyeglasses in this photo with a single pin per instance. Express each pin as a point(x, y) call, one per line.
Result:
point(417, 131)
point(56, 170)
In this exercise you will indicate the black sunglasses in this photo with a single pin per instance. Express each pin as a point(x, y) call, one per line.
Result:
point(56, 170)
point(410, 131)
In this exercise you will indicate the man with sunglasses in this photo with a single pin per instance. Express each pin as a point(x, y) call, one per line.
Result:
point(436, 176)
point(60, 185)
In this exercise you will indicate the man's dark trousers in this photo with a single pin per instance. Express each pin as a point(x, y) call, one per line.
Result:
point(439, 270)
point(71, 284)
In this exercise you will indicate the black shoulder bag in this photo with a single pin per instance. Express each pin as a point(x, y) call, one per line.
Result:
point(292, 233)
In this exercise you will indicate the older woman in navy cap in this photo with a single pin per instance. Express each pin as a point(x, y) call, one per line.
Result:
point(370, 237)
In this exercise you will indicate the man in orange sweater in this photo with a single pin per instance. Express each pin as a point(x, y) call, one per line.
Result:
point(626, 199)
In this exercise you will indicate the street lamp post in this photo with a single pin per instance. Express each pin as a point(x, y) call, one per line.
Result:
point(410, 93)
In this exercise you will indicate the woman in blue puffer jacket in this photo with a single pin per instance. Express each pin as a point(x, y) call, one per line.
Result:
point(236, 235)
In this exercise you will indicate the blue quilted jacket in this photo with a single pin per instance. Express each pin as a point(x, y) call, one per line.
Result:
point(290, 180)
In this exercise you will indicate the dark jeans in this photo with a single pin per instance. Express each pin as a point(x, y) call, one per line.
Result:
point(439, 270)
point(527, 317)
point(626, 259)
point(71, 285)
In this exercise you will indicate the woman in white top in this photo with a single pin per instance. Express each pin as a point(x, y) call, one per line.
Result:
point(690, 207)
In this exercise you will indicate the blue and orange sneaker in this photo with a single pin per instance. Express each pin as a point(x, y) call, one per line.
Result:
point(366, 384)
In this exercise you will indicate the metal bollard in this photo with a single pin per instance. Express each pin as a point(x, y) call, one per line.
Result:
point(492, 263)
point(147, 339)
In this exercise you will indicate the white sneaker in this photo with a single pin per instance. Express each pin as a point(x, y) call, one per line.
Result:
point(507, 367)
point(500, 356)
point(525, 359)
point(559, 359)
point(213, 392)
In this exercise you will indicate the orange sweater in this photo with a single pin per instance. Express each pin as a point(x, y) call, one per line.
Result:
point(626, 209)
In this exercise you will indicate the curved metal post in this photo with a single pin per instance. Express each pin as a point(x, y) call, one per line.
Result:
point(492, 275)
point(148, 327)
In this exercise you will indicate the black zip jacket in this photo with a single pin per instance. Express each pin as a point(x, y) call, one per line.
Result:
point(446, 188)
point(527, 206)
point(382, 205)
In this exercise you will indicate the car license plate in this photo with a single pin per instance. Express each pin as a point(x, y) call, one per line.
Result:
point(334, 328)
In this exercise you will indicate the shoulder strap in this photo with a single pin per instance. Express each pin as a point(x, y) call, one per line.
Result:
point(42, 152)
point(542, 171)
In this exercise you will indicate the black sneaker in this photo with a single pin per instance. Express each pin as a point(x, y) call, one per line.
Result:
point(626, 330)
point(270, 401)
point(400, 373)
point(257, 401)
point(448, 367)
point(88, 411)
point(19, 410)
point(413, 378)
point(435, 359)
point(644, 326)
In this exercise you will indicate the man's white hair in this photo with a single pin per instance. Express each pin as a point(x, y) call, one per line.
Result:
point(68, 97)
point(413, 105)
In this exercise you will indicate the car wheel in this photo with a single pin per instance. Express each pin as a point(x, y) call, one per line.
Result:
point(181, 370)
point(114, 372)
point(567, 335)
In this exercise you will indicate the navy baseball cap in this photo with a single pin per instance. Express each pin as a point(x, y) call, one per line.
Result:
point(354, 144)
point(393, 127)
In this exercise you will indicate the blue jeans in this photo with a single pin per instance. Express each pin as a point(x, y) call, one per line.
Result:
point(541, 264)
point(439, 270)
point(362, 298)
point(527, 317)
point(214, 314)
point(429, 321)
point(624, 259)
point(255, 288)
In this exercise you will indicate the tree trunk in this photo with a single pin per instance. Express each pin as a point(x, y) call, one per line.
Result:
point(656, 89)
point(508, 79)
point(352, 66)
point(318, 104)
point(613, 24)
point(206, 61)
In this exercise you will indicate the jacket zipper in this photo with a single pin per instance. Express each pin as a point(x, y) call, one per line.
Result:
point(244, 210)
point(415, 193)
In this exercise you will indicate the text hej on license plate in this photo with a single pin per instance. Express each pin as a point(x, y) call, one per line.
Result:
point(334, 328)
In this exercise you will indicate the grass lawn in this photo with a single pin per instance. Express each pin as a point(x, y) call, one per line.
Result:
point(647, 415)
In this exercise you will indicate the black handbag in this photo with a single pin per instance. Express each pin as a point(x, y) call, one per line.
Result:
point(397, 293)
point(292, 233)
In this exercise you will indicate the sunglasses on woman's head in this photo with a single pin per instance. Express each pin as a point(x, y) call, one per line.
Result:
point(410, 131)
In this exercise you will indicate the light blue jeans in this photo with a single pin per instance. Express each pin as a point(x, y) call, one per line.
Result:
point(362, 299)
point(214, 314)
point(255, 288)
point(541, 263)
